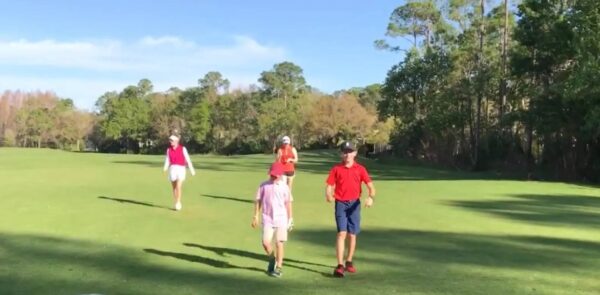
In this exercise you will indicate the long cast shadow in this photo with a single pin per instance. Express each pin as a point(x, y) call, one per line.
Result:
point(141, 162)
point(133, 202)
point(69, 266)
point(228, 198)
point(202, 260)
point(444, 248)
point(224, 251)
point(320, 162)
point(423, 262)
point(566, 210)
point(261, 257)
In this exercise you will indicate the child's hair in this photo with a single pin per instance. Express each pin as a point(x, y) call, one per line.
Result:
point(174, 132)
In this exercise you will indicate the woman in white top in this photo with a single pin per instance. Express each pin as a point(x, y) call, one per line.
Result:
point(176, 161)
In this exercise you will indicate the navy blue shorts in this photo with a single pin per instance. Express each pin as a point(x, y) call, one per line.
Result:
point(347, 216)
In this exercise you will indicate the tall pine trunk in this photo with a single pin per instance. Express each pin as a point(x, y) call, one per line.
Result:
point(529, 127)
point(479, 85)
point(503, 82)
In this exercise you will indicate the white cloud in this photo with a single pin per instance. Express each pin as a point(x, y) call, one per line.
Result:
point(79, 69)
point(168, 53)
point(165, 40)
point(87, 55)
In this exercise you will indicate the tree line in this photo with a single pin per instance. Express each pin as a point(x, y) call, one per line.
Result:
point(478, 87)
point(39, 119)
point(210, 117)
point(483, 87)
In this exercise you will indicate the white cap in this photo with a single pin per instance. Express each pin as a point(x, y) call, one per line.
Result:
point(174, 138)
point(286, 140)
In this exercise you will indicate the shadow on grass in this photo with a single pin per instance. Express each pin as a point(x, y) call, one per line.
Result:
point(288, 262)
point(133, 202)
point(33, 264)
point(321, 162)
point(566, 210)
point(200, 259)
point(434, 252)
point(389, 261)
point(228, 198)
point(141, 162)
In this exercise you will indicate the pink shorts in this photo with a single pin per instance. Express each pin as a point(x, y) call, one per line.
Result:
point(280, 233)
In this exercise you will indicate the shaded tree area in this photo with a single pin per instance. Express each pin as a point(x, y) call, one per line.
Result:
point(493, 87)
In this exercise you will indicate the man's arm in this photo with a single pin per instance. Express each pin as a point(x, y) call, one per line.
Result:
point(329, 193)
point(330, 190)
point(371, 189)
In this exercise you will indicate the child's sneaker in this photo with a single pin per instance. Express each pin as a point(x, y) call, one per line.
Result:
point(178, 206)
point(338, 272)
point(271, 266)
point(350, 267)
point(277, 273)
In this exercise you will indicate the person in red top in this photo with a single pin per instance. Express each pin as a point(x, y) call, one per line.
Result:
point(288, 156)
point(175, 163)
point(344, 186)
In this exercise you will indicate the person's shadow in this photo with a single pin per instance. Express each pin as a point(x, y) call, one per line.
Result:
point(133, 202)
point(234, 199)
point(261, 257)
point(200, 259)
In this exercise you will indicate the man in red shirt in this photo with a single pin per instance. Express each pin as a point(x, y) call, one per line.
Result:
point(344, 186)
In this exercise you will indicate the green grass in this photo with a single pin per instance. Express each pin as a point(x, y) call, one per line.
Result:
point(80, 223)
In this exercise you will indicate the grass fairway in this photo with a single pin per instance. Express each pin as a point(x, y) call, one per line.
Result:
point(77, 223)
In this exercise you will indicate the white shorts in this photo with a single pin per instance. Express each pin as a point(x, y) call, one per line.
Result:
point(280, 233)
point(176, 172)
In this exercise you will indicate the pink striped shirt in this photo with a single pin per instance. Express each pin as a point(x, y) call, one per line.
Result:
point(273, 197)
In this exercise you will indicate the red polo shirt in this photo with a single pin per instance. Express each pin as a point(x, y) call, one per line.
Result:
point(348, 181)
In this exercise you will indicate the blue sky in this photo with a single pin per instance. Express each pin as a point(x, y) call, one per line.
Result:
point(81, 49)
